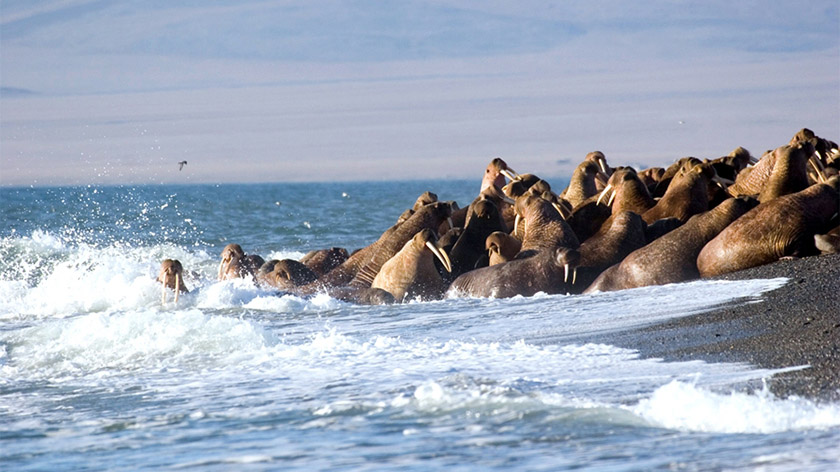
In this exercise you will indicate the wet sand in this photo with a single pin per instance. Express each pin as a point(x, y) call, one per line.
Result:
point(795, 325)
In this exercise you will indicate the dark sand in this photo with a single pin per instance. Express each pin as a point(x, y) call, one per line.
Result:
point(797, 324)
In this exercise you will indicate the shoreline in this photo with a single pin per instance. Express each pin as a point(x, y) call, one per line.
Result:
point(794, 325)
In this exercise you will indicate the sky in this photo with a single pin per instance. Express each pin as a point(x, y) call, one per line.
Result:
point(98, 92)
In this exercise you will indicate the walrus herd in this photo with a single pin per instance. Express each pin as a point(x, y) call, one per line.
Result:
point(609, 229)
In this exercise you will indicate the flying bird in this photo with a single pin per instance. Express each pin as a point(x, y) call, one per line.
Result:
point(181, 165)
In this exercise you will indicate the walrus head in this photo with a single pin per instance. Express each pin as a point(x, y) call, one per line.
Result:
point(171, 276)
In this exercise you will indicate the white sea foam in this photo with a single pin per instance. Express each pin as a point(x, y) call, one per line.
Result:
point(139, 340)
point(685, 406)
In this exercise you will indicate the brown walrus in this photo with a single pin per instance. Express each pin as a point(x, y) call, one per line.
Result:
point(322, 261)
point(625, 191)
point(243, 267)
point(411, 272)
point(547, 271)
point(829, 242)
point(230, 253)
point(482, 220)
point(687, 194)
point(672, 258)
point(780, 172)
point(363, 265)
point(782, 227)
point(609, 246)
point(582, 185)
point(540, 225)
point(501, 247)
point(172, 277)
point(286, 274)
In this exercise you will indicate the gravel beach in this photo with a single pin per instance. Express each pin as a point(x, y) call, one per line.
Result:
point(795, 325)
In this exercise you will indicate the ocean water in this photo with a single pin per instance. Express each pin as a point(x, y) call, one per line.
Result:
point(97, 374)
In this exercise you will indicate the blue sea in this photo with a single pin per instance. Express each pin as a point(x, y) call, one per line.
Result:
point(96, 373)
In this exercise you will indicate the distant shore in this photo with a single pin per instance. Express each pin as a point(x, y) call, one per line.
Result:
point(797, 324)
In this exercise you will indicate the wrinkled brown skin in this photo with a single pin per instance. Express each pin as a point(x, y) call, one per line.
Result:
point(687, 195)
point(482, 220)
point(322, 261)
point(777, 173)
point(543, 272)
point(287, 274)
point(610, 246)
point(672, 258)
point(582, 185)
point(501, 247)
point(544, 228)
point(168, 269)
point(411, 273)
point(588, 218)
point(362, 266)
point(782, 227)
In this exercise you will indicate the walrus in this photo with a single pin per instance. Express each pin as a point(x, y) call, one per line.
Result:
point(782, 227)
point(609, 246)
point(780, 172)
point(651, 177)
point(243, 267)
point(172, 277)
point(321, 261)
point(501, 247)
point(362, 295)
point(728, 166)
point(582, 185)
point(363, 265)
point(540, 225)
point(670, 172)
point(482, 220)
point(672, 258)
point(411, 272)
point(687, 194)
point(546, 271)
point(829, 242)
point(625, 191)
point(230, 253)
point(495, 173)
point(288, 274)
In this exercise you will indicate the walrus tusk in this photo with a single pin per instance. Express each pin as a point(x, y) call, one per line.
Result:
point(560, 210)
point(508, 200)
point(516, 224)
point(818, 167)
point(753, 160)
point(163, 289)
point(604, 192)
point(602, 163)
point(441, 255)
point(574, 275)
point(509, 173)
point(177, 286)
point(451, 224)
point(566, 275)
